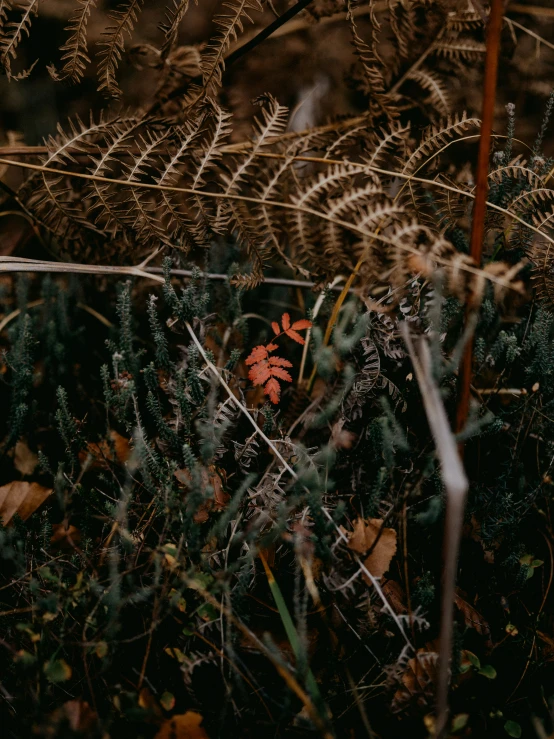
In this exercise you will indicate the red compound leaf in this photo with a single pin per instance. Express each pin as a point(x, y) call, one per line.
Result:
point(259, 373)
point(273, 389)
point(293, 335)
point(280, 373)
point(275, 327)
point(302, 324)
point(271, 347)
point(279, 362)
point(285, 321)
point(257, 354)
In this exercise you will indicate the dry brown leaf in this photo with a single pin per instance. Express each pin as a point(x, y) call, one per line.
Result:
point(417, 682)
point(395, 595)
point(472, 617)
point(183, 726)
point(22, 498)
point(209, 478)
point(103, 453)
point(367, 533)
point(25, 461)
point(65, 538)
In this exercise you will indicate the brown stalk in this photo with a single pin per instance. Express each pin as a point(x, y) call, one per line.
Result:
point(494, 28)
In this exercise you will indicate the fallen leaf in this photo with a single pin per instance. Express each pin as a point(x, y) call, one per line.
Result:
point(183, 726)
point(417, 682)
point(103, 452)
point(212, 479)
point(472, 617)
point(370, 533)
point(22, 498)
point(63, 537)
point(394, 594)
point(25, 461)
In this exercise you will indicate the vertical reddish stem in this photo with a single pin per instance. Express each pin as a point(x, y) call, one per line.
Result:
point(494, 29)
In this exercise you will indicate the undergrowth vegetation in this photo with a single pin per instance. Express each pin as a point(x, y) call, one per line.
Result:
point(241, 307)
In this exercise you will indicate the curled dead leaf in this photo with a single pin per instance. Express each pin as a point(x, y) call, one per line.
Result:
point(370, 534)
point(22, 498)
point(472, 617)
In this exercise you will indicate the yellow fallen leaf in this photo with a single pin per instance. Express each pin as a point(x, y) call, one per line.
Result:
point(22, 498)
point(369, 534)
point(184, 726)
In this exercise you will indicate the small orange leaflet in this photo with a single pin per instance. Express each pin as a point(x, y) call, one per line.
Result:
point(266, 370)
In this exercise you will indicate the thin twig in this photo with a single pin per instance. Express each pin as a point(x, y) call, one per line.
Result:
point(494, 30)
point(456, 484)
point(266, 32)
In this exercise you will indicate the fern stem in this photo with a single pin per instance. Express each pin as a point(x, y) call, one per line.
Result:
point(494, 29)
point(266, 32)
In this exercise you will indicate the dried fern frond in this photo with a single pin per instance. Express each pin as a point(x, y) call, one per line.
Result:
point(229, 26)
point(435, 86)
point(387, 138)
point(76, 57)
point(437, 136)
point(12, 34)
point(374, 85)
point(113, 47)
point(170, 29)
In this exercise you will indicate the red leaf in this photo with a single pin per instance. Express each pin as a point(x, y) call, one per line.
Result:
point(280, 362)
point(303, 323)
point(275, 327)
point(285, 320)
point(280, 373)
point(271, 347)
point(273, 389)
point(293, 335)
point(257, 354)
point(259, 373)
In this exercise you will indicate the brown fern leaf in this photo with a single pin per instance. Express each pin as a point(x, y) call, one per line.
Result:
point(229, 25)
point(435, 86)
point(230, 212)
point(13, 33)
point(374, 84)
point(76, 57)
point(143, 212)
point(170, 29)
point(385, 140)
point(305, 222)
point(104, 200)
point(466, 50)
point(51, 195)
point(5, 6)
point(113, 47)
point(438, 136)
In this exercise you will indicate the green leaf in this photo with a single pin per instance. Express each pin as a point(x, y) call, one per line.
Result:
point(167, 700)
point(57, 671)
point(512, 728)
point(460, 721)
point(473, 658)
point(537, 563)
point(488, 671)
